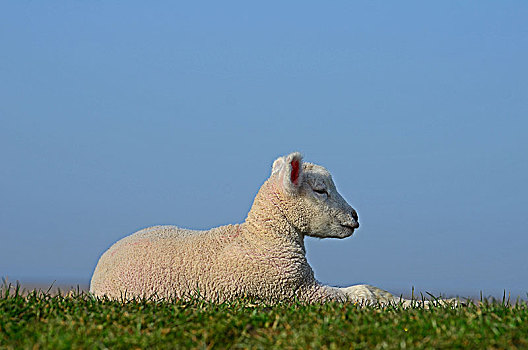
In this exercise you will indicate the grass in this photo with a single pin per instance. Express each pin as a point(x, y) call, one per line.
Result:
point(38, 320)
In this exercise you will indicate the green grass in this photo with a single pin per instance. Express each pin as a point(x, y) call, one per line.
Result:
point(38, 320)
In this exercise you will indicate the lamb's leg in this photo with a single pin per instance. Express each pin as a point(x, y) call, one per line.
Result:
point(364, 294)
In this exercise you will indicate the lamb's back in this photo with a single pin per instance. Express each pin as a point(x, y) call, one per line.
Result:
point(160, 260)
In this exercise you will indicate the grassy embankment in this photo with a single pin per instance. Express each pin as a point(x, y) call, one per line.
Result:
point(39, 320)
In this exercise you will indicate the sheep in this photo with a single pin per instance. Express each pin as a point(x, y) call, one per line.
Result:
point(262, 258)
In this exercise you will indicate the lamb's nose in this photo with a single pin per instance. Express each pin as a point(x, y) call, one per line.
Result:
point(355, 216)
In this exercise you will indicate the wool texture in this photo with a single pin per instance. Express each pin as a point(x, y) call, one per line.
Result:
point(262, 258)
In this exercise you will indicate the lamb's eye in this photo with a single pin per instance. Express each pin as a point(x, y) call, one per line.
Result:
point(320, 191)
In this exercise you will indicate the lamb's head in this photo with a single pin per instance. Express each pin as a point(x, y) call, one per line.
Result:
point(309, 199)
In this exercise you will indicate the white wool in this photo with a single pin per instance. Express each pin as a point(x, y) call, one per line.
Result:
point(264, 257)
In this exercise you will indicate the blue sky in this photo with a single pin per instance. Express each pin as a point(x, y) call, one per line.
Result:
point(120, 115)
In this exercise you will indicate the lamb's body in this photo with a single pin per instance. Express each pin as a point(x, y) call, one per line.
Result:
point(264, 257)
point(222, 263)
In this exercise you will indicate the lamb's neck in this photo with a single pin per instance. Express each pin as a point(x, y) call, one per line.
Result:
point(266, 221)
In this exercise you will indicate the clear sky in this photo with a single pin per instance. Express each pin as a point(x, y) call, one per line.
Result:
point(119, 115)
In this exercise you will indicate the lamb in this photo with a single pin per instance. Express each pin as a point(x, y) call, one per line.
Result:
point(262, 258)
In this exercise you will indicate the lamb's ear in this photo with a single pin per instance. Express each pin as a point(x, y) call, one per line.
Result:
point(277, 165)
point(289, 169)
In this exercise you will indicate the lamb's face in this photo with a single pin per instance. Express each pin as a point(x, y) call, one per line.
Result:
point(329, 215)
point(312, 202)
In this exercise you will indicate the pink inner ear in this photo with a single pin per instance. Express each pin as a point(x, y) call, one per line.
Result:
point(295, 172)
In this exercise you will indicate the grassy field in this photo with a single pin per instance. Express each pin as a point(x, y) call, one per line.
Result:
point(38, 320)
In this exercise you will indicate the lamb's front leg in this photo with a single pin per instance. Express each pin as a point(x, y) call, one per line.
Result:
point(363, 294)
point(369, 295)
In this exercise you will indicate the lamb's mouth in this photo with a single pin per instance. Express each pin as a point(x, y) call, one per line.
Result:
point(350, 227)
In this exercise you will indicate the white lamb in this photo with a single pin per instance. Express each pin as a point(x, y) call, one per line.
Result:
point(264, 257)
